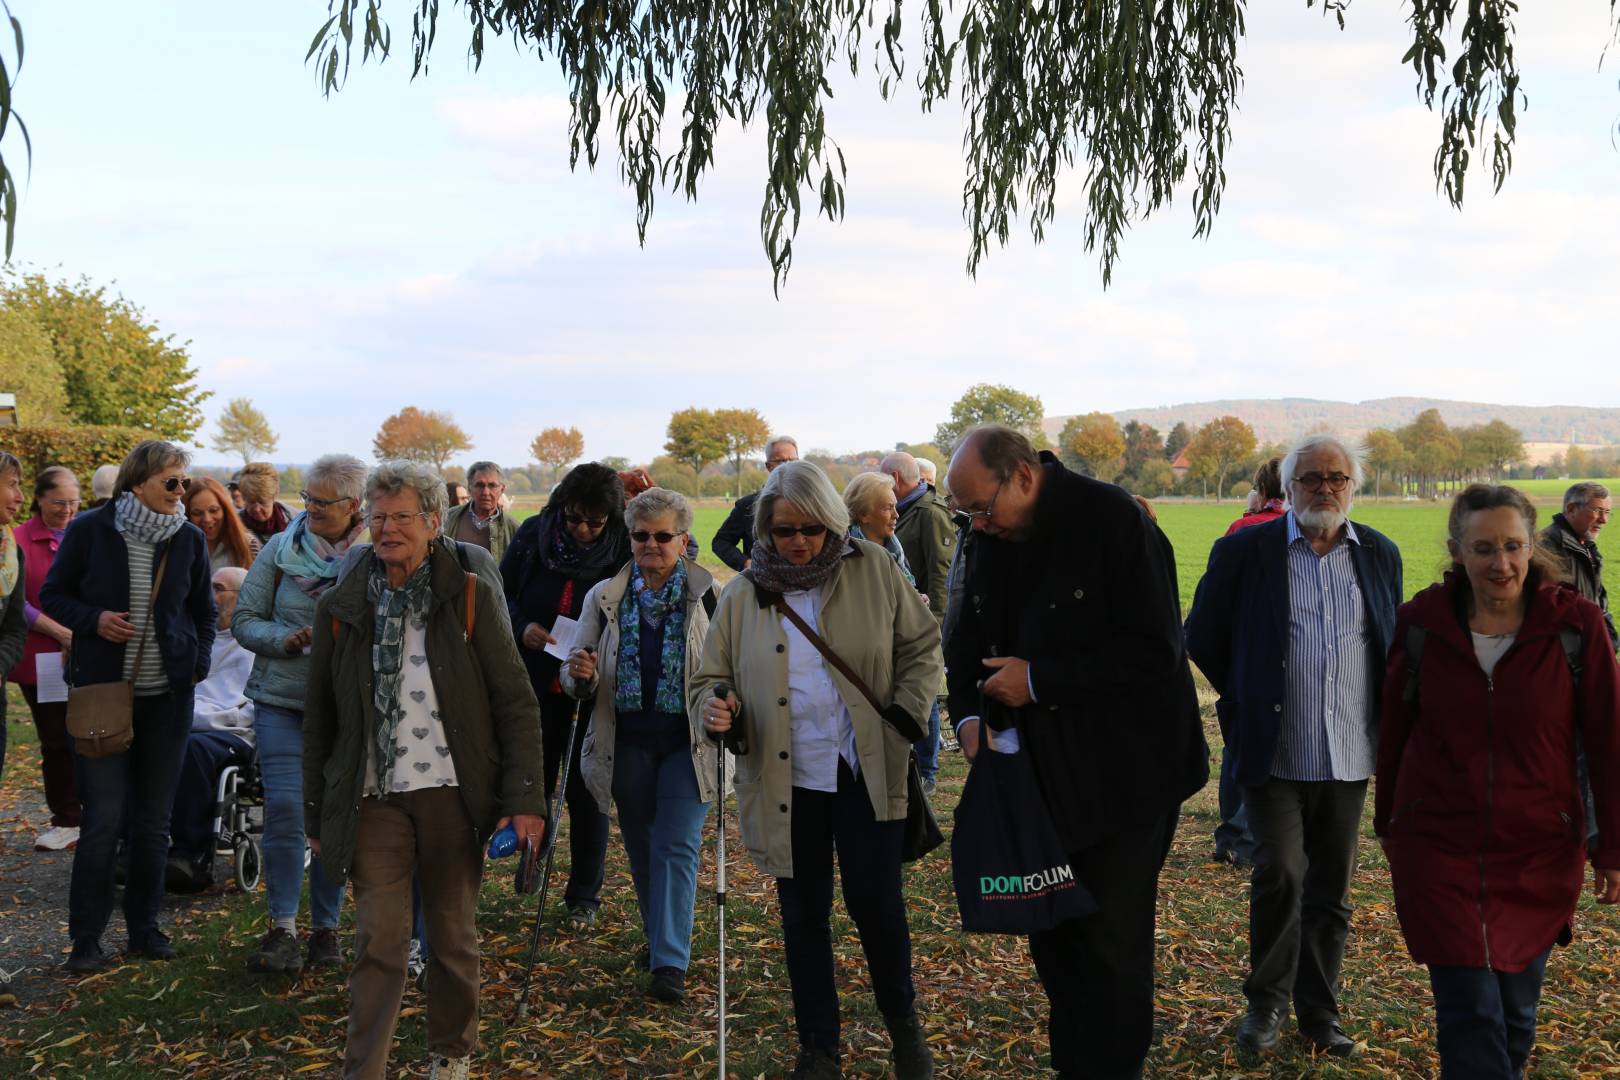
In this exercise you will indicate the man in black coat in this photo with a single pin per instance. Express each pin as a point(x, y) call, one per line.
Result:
point(731, 542)
point(1070, 631)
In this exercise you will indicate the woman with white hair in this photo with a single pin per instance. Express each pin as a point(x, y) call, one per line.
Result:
point(421, 739)
point(644, 751)
point(824, 769)
point(275, 620)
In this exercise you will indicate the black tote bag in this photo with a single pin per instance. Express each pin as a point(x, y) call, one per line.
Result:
point(1012, 875)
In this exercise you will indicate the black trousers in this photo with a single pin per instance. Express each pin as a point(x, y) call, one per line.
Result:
point(869, 871)
point(1098, 970)
point(587, 824)
point(1305, 834)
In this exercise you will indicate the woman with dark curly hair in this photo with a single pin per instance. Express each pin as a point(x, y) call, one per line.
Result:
point(578, 540)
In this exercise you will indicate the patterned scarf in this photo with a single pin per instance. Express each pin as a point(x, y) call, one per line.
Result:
point(666, 608)
point(134, 518)
point(9, 564)
point(771, 572)
point(393, 606)
point(896, 552)
point(562, 554)
point(311, 562)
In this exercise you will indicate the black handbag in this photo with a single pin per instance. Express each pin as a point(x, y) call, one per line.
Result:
point(922, 830)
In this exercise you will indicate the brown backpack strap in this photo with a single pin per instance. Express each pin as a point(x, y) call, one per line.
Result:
point(825, 650)
point(471, 605)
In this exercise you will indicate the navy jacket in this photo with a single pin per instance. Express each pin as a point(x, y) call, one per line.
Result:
point(91, 575)
point(735, 538)
point(1090, 601)
point(1237, 632)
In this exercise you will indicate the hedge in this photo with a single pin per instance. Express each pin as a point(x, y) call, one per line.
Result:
point(81, 448)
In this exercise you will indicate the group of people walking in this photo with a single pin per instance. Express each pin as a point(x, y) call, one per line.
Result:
point(422, 671)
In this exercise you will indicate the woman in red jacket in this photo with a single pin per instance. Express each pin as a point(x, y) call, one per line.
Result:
point(1498, 675)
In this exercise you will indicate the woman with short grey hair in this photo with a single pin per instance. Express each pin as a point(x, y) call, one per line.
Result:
point(275, 619)
point(643, 750)
point(421, 739)
point(824, 769)
point(132, 582)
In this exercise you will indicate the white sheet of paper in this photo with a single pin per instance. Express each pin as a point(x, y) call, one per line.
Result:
point(564, 631)
point(48, 670)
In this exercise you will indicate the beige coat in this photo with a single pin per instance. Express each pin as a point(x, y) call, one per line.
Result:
point(599, 626)
point(879, 626)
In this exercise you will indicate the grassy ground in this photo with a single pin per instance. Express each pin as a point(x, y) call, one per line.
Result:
point(202, 1015)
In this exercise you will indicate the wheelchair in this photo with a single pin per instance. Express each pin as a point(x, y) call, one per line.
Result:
point(238, 826)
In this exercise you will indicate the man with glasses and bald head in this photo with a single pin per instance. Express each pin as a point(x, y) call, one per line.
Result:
point(1291, 624)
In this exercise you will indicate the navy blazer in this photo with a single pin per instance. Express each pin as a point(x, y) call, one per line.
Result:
point(91, 574)
point(1237, 632)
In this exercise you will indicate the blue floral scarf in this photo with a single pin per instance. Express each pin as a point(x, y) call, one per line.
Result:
point(666, 608)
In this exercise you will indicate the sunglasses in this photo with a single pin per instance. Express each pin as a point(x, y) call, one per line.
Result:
point(782, 532)
point(177, 483)
point(641, 536)
point(574, 521)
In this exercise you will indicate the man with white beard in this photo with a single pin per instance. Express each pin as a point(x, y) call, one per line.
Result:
point(1291, 624)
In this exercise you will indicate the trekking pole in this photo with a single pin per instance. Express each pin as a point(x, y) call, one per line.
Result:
point(734, 741)
point(550, 850)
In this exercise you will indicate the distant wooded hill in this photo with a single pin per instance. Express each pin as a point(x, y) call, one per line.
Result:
point(1285, 419)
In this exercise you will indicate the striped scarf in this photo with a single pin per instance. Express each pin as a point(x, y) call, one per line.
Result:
point(134, 518)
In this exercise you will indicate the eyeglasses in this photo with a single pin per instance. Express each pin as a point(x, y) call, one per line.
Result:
point(488, 485)
point(321, 504)
point(989, 508)
point(574, 521)
point(177, 483)
point(641, 536)
point(61, 504)
point(401, 520)
point(1485, 552)
point(809, 532)
point(1315, 481)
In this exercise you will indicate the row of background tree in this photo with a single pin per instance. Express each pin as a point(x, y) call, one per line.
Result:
point(92, 372)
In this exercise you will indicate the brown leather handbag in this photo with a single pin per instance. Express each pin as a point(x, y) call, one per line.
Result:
point(101, 717)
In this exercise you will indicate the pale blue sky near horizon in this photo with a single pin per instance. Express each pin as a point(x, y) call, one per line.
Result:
point(424, 243)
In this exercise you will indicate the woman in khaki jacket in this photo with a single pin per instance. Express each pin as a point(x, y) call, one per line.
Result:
point(823, 770)
point(644, 750)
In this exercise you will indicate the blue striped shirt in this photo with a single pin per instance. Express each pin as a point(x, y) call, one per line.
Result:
point(1329, 719)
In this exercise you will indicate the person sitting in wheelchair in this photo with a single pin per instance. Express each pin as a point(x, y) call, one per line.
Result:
point(221, 736)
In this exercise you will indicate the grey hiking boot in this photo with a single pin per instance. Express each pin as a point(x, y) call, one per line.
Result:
point(913, 1060)
point(816, 1064)
point(277, 954)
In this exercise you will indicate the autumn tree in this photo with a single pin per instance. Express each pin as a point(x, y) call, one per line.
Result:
point(1143, 443)
point(1495, 447)
point(1433, 450)
point(1385, 457)
point(118, 368)
point(557, 447)
point(1094, 444)
point(988, 403)
point(29, 369)
point(1134, 102)
point(1177, 440)
point(743, 431)
point(244, 430)
point(1219, 445)
point(417, 435)
point(695, 439)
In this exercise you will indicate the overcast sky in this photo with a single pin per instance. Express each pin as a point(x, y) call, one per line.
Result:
point(425, 244)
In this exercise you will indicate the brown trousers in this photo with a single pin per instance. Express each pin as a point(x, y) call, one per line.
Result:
point(426, 830)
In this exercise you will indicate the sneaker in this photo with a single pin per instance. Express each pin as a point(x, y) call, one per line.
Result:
point(324, 949)
point(913, 1060)
point(668, 985)
point(57, 838)
point(929, 784)
point(581, 917)
point(277, 954)
point(448, 1068)
point(416, 964)
point(87, 957)
point(154, 945)
point(816, 1064)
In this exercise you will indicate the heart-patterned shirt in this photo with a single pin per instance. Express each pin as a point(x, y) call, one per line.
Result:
point(421, 754)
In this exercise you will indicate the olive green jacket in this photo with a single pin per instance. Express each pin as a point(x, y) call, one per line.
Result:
point(491, 718)
point(928, 537)
point(501, 530)
point(878, 625)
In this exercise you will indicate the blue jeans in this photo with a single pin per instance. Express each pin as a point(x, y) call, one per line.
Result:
point(1232, 835)
point(279, 734)
point(661, 818)
point(1486, 1019)
point(133, 790)
point(927, 747)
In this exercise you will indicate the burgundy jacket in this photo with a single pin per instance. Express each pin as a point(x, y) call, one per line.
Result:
point(1477, 796)
point(39, 550)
